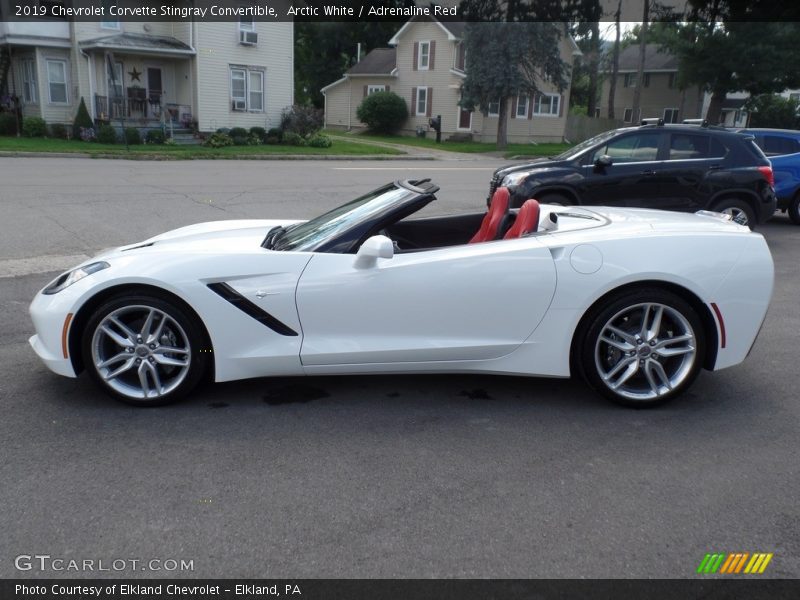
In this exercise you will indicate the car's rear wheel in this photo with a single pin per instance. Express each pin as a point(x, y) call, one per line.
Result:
point(794, 209)
point(144, 350)
point(740, 211)
point(642, 347)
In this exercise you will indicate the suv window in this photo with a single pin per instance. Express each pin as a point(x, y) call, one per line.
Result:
point(687, 146)
point(774, 145)
point(637, 147)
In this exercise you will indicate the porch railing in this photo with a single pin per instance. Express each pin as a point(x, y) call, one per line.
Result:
point(138, 107)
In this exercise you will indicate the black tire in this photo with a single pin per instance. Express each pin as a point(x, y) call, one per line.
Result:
point(605, 357)
point(559, 199)
point(741, 211)
point(794, 209)
point(159, 358)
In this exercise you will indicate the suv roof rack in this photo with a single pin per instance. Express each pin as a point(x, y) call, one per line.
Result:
point(653, 121)
point(701, 122)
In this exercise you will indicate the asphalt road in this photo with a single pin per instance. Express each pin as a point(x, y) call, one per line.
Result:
point(414, 476)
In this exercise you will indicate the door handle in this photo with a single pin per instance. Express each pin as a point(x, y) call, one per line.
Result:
point(714, 167)
point(648, 172)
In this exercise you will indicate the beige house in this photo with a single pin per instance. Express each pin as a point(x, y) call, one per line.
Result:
point(219, 74)
point(426, 65)
point(660, 97)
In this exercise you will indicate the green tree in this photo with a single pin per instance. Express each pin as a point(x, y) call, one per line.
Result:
point(510, 59)
point(768, 110)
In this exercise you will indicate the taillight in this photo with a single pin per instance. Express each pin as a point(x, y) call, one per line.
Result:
point(768, 175)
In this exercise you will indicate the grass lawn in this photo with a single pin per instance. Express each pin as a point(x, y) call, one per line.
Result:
point(15, 144)
point(466, 147)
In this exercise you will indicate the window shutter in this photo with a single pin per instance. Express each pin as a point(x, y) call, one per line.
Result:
point(513, 107)
point(365, 91)
point(530, 106)
point(413, 101)
point(429, 110)
point(432, 53)
point(387, 89)
point(416, 56)
point(560, 105)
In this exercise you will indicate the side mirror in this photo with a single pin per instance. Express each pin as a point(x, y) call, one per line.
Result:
point(378, 246)
point(602, 161)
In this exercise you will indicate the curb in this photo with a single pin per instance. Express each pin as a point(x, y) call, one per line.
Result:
point(162, 157)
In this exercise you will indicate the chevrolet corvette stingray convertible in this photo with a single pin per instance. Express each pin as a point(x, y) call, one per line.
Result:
point(635, 301)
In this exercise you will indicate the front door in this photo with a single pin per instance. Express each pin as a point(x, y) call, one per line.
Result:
point(464, 119)
point(155, 89)
point(469, 302)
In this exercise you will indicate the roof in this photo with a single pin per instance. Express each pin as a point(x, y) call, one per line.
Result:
point(380, 61)
point(453, 29)
point(137, 42)
point(656, 58)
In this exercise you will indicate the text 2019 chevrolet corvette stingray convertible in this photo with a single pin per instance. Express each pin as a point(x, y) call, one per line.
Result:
point(636, 301)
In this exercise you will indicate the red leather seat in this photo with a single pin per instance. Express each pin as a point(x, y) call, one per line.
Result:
point(495, 217)
point(527, 220)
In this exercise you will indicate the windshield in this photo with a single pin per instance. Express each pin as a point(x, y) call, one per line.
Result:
point(307, 236)
point(575, 150)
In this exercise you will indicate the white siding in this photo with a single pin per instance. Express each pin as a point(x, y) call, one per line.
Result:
point(218, 48)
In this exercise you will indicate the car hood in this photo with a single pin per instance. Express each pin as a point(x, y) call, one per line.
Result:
point(537, 163)
point(213, 236)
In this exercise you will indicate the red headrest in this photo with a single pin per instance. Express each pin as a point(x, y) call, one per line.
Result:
point(527, 220)
point(498, 209)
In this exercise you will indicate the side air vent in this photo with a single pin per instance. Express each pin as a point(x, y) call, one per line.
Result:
point(247, 307)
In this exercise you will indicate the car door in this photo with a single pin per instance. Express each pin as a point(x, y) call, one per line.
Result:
point(469, 302)
point(632, 177)
point(690, 158)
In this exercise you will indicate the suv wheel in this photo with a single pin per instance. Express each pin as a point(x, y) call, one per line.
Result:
point(794, 209)
point(740, 210)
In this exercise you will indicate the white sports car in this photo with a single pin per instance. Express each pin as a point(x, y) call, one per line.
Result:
point(636, 301)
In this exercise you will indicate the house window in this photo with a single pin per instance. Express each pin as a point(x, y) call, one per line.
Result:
point(522, 106)
point(627, 115)
point(29, 89)
point(247, 89)
point(673, 80)
point(670, 115)
point(632, 78)
point(424, 58)
point(461, 57)
point(422, 101)
point(494, 108)
point(247, 24)
point(57, 81)
point(547, 105)
point(596, 113)
point(115, 81)
point(371, 89)
point(107, 21)
point(256, 91)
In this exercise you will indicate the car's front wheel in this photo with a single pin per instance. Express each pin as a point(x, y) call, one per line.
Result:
point(642, 347)
point(144, 350)
point(740, 211)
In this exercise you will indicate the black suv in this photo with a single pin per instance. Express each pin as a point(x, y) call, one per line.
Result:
point(672, 167)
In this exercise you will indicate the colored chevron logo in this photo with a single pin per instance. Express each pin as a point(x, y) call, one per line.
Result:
point(734, 563)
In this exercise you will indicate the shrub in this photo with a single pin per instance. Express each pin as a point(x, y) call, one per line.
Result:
point(58, 131)
point(273, 140)
point(302, 120)
point(170, 142)
point(382, 112)
point(155, 136)
point(239, 140)
point(319, 141)
point(275, 132)
point(87, 134)
point(238, 132)
point(253, 140)
point(8, 124)
point(260, 133)
point(291, 138)
point(225, 130)
point(34, 127)
point(132, 136)
point(82, 119)
point(106, 134)
point(218, 140)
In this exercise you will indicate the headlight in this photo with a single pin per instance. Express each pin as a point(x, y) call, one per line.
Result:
point(70, 277)
point(515, 178)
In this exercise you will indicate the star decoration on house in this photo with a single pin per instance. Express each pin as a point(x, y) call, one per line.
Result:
point(135, 74)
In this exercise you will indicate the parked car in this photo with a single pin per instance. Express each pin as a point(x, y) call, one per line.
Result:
point(544, 291)
point(672, 167)
point(782, 147)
